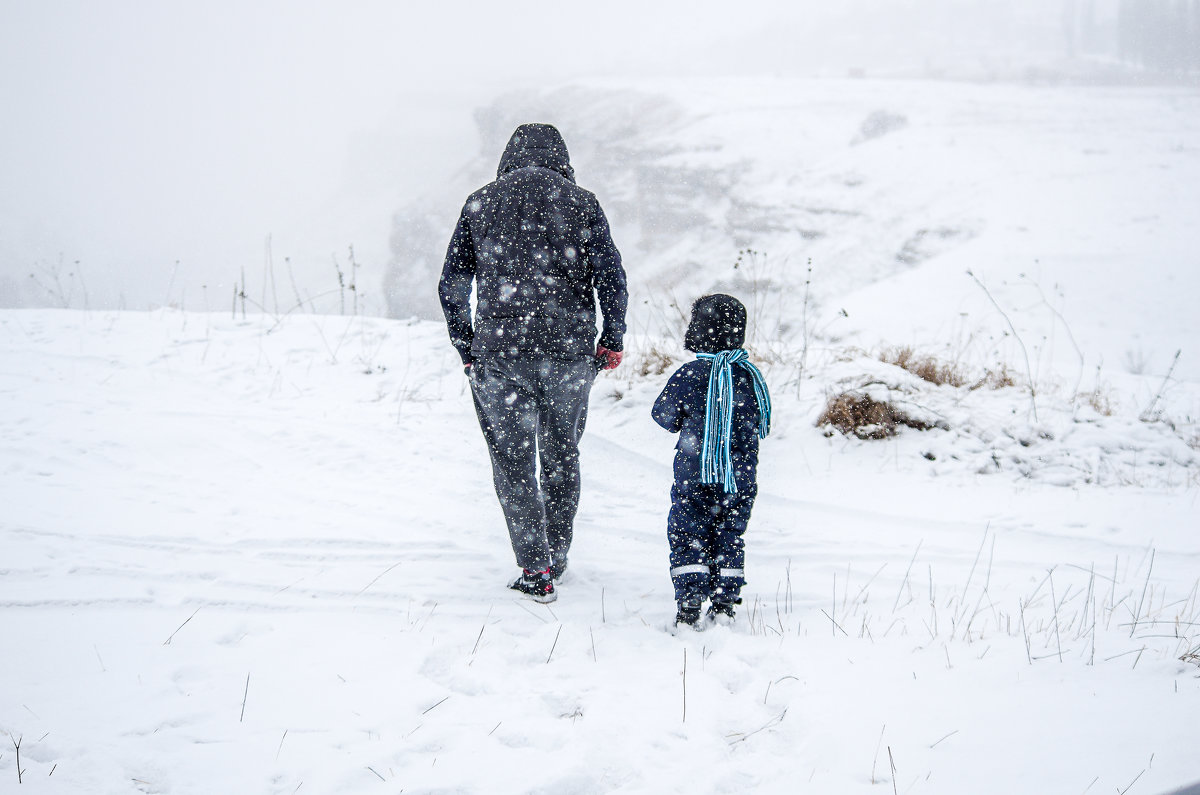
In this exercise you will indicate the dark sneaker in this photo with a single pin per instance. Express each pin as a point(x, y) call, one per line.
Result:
point(688, 614)
point(557, 569)
point(536, 585)
point(722, 612)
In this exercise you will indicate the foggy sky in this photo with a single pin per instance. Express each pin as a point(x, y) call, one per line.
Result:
point(137, 135)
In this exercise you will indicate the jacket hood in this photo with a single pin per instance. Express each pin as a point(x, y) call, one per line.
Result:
point(718, 324)
point(539, 145)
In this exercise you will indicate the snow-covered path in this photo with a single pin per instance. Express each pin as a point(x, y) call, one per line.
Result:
point(237, 556)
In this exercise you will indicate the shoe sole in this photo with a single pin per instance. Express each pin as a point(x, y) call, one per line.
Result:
point(544, 598)
point(540, 598)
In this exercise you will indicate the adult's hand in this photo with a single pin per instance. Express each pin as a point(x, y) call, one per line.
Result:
point(611, 358)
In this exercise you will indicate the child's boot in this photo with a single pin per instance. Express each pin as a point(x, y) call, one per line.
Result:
point(722, 612)
point(688, 614)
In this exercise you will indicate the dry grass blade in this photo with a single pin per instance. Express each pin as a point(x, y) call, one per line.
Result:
point(554, 645)
point(16, 741)
point(878, 743)
point(380, 576)
point(280, 748)
point(181, 626)
point(835, 624)
point(684, 720)
point(947, 737)
point(245, 695)
point(770, 724)
point(435, 706)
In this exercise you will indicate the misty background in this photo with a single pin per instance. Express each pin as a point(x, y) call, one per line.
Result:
point(157, 154)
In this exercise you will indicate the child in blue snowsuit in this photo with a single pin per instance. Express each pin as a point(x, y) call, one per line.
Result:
point(720, 407)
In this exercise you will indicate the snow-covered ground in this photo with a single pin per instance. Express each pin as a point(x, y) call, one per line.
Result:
point(262, 554)
point(250, 556)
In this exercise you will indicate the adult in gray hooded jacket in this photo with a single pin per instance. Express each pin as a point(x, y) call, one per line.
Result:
point(538, 250)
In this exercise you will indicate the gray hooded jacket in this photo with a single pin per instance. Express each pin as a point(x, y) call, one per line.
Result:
point(538, 249)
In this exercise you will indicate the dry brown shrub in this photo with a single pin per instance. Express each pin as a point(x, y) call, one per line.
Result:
point(927, 368)
point(1100, 401)
point(999, 378)
point(849, 354)
point(936, 371)
point(864, 417)
point(652, 361)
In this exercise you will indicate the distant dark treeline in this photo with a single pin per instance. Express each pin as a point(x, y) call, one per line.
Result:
point(1160, 34)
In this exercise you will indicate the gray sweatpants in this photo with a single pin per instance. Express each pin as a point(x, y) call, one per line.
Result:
point(532, 412)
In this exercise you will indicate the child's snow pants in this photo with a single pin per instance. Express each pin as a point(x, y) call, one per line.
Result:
point(705, 528)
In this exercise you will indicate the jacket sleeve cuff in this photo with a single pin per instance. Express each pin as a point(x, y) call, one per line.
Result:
point(610, 343)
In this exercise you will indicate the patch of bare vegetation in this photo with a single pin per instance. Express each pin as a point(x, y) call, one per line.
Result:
point(999, 378)
point(928, 368)
point(866, 418)
point(652, 361)
point(942, 373)
point(1100, 400)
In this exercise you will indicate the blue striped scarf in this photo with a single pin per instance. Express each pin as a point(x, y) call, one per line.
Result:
point(716, 460)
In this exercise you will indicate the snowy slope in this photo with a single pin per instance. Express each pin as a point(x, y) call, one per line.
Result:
point(1045, 230)
point(1075, 206)
point(249, 555)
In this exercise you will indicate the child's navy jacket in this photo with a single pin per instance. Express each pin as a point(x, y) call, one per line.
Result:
point(680, 409)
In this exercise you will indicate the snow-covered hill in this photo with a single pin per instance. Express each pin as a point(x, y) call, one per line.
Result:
point(263, 555)
point(1075, 207)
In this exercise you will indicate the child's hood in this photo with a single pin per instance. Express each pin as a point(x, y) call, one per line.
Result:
point(718, 324)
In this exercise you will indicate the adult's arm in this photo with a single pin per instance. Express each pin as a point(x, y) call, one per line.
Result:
point(454, 288)
point(609, 281)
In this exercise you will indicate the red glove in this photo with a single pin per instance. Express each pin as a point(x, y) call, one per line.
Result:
point(611, 358)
